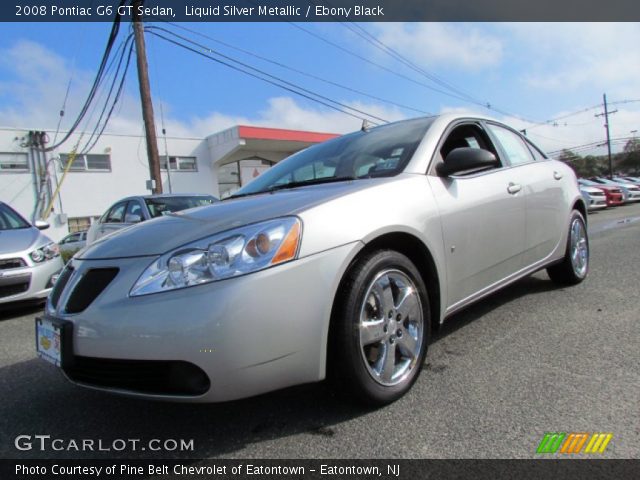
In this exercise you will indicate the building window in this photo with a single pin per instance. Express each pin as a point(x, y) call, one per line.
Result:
point(79, 224)
point(91, 162)
point(231, 176)
point(180, 164)
point(14, 162)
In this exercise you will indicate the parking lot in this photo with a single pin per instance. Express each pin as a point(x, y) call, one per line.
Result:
point(531, 359)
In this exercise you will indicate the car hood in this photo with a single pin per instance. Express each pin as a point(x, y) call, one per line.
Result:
point(607, 187)
point(160, 235)
point(19, 240)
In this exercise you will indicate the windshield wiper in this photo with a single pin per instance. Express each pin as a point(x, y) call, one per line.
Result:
point(301, 183)
point(311, 181)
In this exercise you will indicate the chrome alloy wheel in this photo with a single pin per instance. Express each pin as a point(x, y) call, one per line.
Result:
point(579, 248)
point(391, 327)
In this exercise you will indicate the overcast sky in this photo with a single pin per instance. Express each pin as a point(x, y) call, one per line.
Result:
point(526, 71)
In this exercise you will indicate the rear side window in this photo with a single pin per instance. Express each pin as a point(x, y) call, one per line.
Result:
point(513, 145)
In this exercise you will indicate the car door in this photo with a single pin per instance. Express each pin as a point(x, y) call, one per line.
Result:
point(482, 217)
point(544, 192)
point(114, 219)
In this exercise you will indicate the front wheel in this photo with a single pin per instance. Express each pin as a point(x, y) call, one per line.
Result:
point(574, 266)
point(381, 328)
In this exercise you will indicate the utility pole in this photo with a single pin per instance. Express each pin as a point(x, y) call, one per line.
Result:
point(145, 98)
point(606, 126)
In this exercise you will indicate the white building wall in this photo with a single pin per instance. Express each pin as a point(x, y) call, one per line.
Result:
point(88, 194)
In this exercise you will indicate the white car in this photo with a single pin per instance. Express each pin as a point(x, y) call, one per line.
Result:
point(29, 260)
point(595, 198)
point(73, 242)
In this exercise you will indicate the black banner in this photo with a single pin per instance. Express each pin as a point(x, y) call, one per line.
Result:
point(319, 469)
point(323, 10)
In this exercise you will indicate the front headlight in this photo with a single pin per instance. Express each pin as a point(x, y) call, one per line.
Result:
point(46, 252)
point(229, 254)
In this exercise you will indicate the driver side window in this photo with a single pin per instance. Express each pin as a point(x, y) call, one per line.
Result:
point(468, 135)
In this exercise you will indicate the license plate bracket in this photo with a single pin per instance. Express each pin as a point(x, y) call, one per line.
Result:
point(54, 341)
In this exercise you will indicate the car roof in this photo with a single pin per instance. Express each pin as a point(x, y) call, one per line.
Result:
point(166, 195)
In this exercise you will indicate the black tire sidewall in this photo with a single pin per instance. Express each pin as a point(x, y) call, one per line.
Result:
point(355, 373)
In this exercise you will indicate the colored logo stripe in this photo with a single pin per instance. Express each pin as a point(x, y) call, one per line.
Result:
point(598, 443)
point(574, 442)
point(567, 443)
point(550, 442)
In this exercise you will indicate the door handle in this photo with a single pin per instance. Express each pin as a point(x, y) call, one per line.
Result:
point(557, 175)
point(513, 188)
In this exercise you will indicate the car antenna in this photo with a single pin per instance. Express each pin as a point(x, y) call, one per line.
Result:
point(366, 125)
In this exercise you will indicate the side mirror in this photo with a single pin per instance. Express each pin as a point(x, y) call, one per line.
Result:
point(41, 225)
point(132, 218)
point(466, 158)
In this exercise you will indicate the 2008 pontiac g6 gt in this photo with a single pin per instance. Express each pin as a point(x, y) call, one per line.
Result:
point(338, 262)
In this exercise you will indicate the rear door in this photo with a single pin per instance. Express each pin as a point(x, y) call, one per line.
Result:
point(483, 218)
point(544, 192)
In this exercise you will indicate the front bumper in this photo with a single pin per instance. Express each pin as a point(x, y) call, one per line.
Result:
point(29, 282)
point(251, 334)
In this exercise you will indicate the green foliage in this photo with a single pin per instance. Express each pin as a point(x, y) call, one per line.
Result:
point(630, 158)
point(67, 254)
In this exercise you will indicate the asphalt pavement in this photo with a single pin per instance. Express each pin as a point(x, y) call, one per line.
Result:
point(531, 359)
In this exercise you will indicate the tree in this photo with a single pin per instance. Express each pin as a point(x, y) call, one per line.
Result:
point(630, 162)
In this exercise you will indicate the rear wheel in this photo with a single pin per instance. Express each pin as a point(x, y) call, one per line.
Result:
point(381, 327)
point(574, 266)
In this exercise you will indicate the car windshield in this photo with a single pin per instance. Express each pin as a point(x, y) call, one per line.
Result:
point(11, 220)
point(380, 152)
point(159, 206)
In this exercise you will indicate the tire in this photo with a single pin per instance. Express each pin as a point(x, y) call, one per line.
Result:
point(574, 267)
point(377, 350)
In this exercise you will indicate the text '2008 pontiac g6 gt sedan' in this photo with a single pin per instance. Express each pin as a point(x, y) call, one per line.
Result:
point(337, 262)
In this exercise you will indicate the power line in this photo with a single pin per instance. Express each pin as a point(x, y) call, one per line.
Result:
point(88, 147)
point(98, 130)
point(598, 143)
point(301, 72)
point(377, 43)
point(115, 28)
point(371, 62)
point(264, 76)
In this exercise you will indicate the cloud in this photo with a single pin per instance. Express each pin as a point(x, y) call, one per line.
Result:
point(562, 57)
point(442, 45)
point(39, 77)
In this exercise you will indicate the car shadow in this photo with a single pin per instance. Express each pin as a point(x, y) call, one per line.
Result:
point(13, 310)
point(531, 285)
point(38, 400)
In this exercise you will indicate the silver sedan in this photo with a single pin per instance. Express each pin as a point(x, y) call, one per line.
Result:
point(338, 262)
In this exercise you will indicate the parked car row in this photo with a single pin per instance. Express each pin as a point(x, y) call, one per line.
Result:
point(30, 262)
point(599, 192)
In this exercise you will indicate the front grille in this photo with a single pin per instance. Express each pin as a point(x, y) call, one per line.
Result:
point(59, 286)
point(15, 289)
point(9, 263)
point(158, 377)
point(92, 284)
